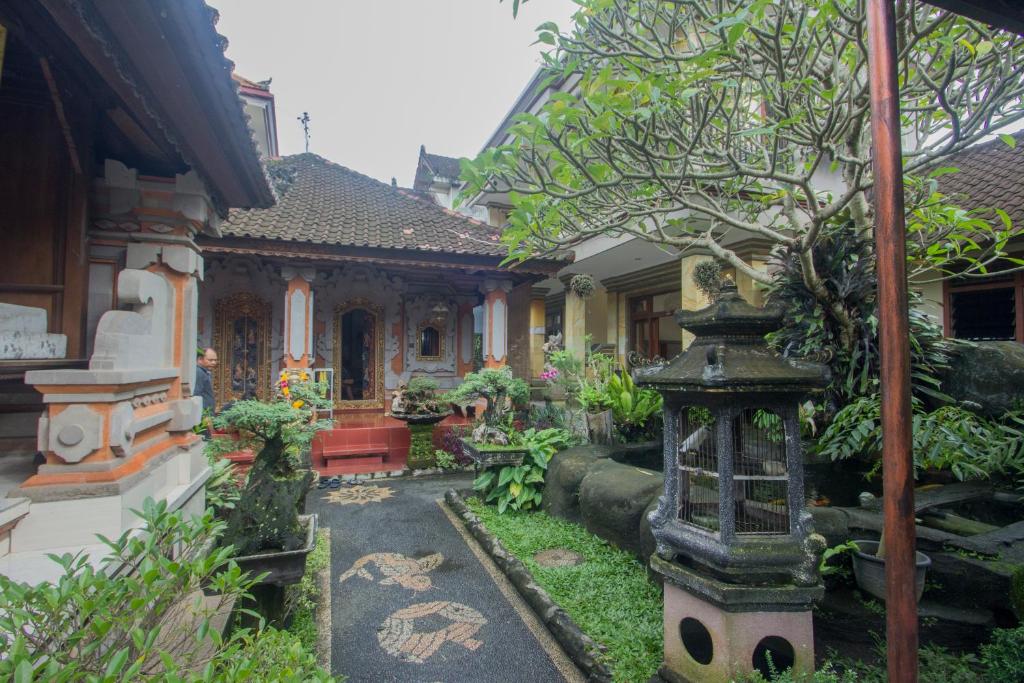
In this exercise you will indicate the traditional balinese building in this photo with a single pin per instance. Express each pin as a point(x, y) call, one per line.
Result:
point(369, 283)
point(124, 138)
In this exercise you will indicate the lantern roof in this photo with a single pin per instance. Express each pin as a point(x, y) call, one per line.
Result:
point(730, 353)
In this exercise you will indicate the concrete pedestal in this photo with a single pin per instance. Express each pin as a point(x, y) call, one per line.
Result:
point(717, 632)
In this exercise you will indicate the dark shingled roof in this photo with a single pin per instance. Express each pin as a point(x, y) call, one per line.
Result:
point(324, 203)
point(430, 166)
point(990, 176)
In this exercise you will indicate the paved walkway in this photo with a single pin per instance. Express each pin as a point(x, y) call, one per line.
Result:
point(414, 599)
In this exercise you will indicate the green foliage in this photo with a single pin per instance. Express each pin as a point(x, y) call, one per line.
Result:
point(223, 487)
point(634, 409)
point(520, 487)
point(826, 674)
point(948, 438)
point(97, 624)
point(421, 446)
point(1003, 655)
point(609, 596)
point(304, 596)
point(847, 332)
point(825, 568)
point(445, 460)
point(496, 386)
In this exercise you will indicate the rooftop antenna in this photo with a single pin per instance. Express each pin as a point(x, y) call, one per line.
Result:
point(304, 120)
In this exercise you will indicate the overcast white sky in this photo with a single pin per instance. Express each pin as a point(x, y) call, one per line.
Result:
point(381, 77)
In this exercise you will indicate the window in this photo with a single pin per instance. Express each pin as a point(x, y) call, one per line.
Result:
point(429, 343)
point(653, 330)
point(990, 311)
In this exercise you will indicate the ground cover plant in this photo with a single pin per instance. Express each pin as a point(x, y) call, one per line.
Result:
point(608, 596)
point(304, 596)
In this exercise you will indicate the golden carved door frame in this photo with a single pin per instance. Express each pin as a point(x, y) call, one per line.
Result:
point(376, 362)
point(251, 357)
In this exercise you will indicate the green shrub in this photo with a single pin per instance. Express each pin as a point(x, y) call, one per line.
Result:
point(94, 625)
point(826, 674)
point(1003, 655)
point(520, 486)
point(497, 387)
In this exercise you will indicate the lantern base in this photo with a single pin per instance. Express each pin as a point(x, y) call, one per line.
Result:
point(717, 632)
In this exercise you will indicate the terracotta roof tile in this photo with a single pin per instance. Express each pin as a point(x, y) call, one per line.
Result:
point(990, 176)
point(324, 203)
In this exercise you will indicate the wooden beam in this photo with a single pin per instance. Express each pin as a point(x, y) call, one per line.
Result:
point(894, 346)
point(1005, 14)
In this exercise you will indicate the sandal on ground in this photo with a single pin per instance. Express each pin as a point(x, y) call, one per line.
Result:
point(335, 483)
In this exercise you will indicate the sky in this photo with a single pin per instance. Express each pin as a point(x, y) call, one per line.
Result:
point(379, 78)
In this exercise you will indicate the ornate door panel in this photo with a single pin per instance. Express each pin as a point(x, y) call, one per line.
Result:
point(241, 338)
point(359, 354)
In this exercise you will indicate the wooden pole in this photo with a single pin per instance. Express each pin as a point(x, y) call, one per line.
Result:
point(894, 346)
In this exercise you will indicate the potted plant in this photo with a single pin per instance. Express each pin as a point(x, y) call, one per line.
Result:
point(869, 568)
point(489, 443)
point(266, 526)
point(419, 407)
point(582, 285)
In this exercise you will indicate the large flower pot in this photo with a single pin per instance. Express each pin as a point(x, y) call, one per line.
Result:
point(869, 570)
point(489, 455)
point(421, 419)
point(285, 567)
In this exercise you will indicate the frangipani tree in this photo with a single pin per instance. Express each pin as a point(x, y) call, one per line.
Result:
point(693, 123)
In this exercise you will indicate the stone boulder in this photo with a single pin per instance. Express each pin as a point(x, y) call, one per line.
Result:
point(990, 374)
point(562, 481)
point(613, 498)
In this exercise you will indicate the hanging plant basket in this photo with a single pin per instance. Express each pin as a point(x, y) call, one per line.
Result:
point(582, 285)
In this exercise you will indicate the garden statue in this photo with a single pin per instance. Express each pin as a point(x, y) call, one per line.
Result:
point(554, 343)
point(398, 399)
point(734, 542)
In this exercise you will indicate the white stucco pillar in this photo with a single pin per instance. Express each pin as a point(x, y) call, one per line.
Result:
point(298, 318)
point(496, 322)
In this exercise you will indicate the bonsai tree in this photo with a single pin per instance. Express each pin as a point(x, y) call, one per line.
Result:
point(266, 516)
point(498, 387)
point(420, 398)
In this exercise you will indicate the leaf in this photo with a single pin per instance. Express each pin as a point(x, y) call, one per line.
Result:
point(515, 488)
point(1008, 140)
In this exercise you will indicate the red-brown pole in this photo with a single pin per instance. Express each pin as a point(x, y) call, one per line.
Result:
point(894, 347)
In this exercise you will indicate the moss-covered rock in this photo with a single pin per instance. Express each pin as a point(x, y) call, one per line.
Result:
point(562, 480)
point(989, 374)
point(613, 498)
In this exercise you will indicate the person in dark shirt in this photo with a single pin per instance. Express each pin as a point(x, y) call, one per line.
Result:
point(207, 361)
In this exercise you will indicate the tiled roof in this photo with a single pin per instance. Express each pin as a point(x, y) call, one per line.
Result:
point(429, 166)
point(990, 176)
point(322, 202)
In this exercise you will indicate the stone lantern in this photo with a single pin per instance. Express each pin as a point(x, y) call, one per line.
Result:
point(734, 541)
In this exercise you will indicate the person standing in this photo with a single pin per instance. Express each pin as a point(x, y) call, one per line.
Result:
point(207, 362)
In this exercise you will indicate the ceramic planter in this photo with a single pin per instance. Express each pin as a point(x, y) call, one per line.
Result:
point(869, 570)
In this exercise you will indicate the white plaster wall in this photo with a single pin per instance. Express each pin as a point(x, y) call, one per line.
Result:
point(225, 277)
point(349, 283)
point(418, 310)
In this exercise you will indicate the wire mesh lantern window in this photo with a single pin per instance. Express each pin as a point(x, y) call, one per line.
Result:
point(734, 499)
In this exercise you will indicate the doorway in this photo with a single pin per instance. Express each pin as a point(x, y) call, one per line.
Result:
point(241, 338)
point(358, 355)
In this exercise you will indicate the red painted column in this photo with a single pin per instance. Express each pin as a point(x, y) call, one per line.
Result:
point(890, 248)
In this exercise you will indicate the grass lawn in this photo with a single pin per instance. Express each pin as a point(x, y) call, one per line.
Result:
point(608, 596)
